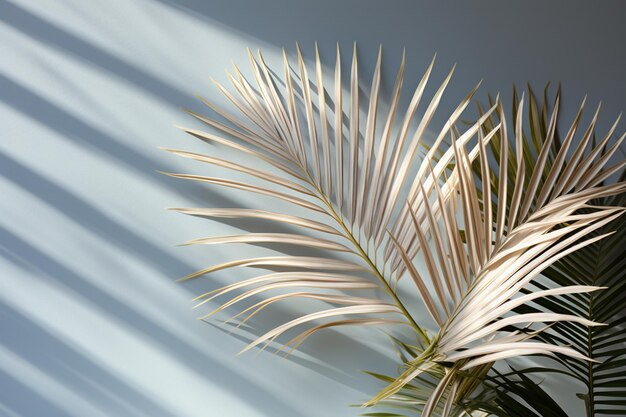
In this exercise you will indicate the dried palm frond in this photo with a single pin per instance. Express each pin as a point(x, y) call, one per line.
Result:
point(602, 264)
point(353, 177)
point(537, 222)
point(358, 184)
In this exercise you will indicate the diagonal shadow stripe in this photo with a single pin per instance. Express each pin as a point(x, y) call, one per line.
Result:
point(70, 368)
point(190, 356)
point(91, 218)
point(47, 113)
point(57, 38)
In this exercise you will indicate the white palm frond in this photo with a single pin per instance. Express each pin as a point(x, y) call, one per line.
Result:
point(342, 169)
point(541, 224)
point(479, 245)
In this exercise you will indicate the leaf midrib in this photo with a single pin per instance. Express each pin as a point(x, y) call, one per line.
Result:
point(362, 253)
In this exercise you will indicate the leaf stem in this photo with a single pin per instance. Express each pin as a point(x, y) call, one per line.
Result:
point(363, 254)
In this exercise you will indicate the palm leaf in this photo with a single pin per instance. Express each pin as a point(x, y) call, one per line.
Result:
point(600, 264)
point(364, 203)
point(540, 218)
point(515, 394)
point(298, 133)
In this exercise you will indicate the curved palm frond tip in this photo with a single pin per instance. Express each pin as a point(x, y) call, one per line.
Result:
point(355, 182)
point(540, 221)
point(329, 170)
point(602, 264)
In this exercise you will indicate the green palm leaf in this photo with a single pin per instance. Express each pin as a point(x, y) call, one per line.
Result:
point(515, 394)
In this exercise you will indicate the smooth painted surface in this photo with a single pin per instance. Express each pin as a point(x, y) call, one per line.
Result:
point(91, 321)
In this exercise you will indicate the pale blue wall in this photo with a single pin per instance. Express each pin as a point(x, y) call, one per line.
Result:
point(91, 322)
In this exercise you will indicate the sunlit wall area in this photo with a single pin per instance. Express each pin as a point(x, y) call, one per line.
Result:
point(92, 322)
